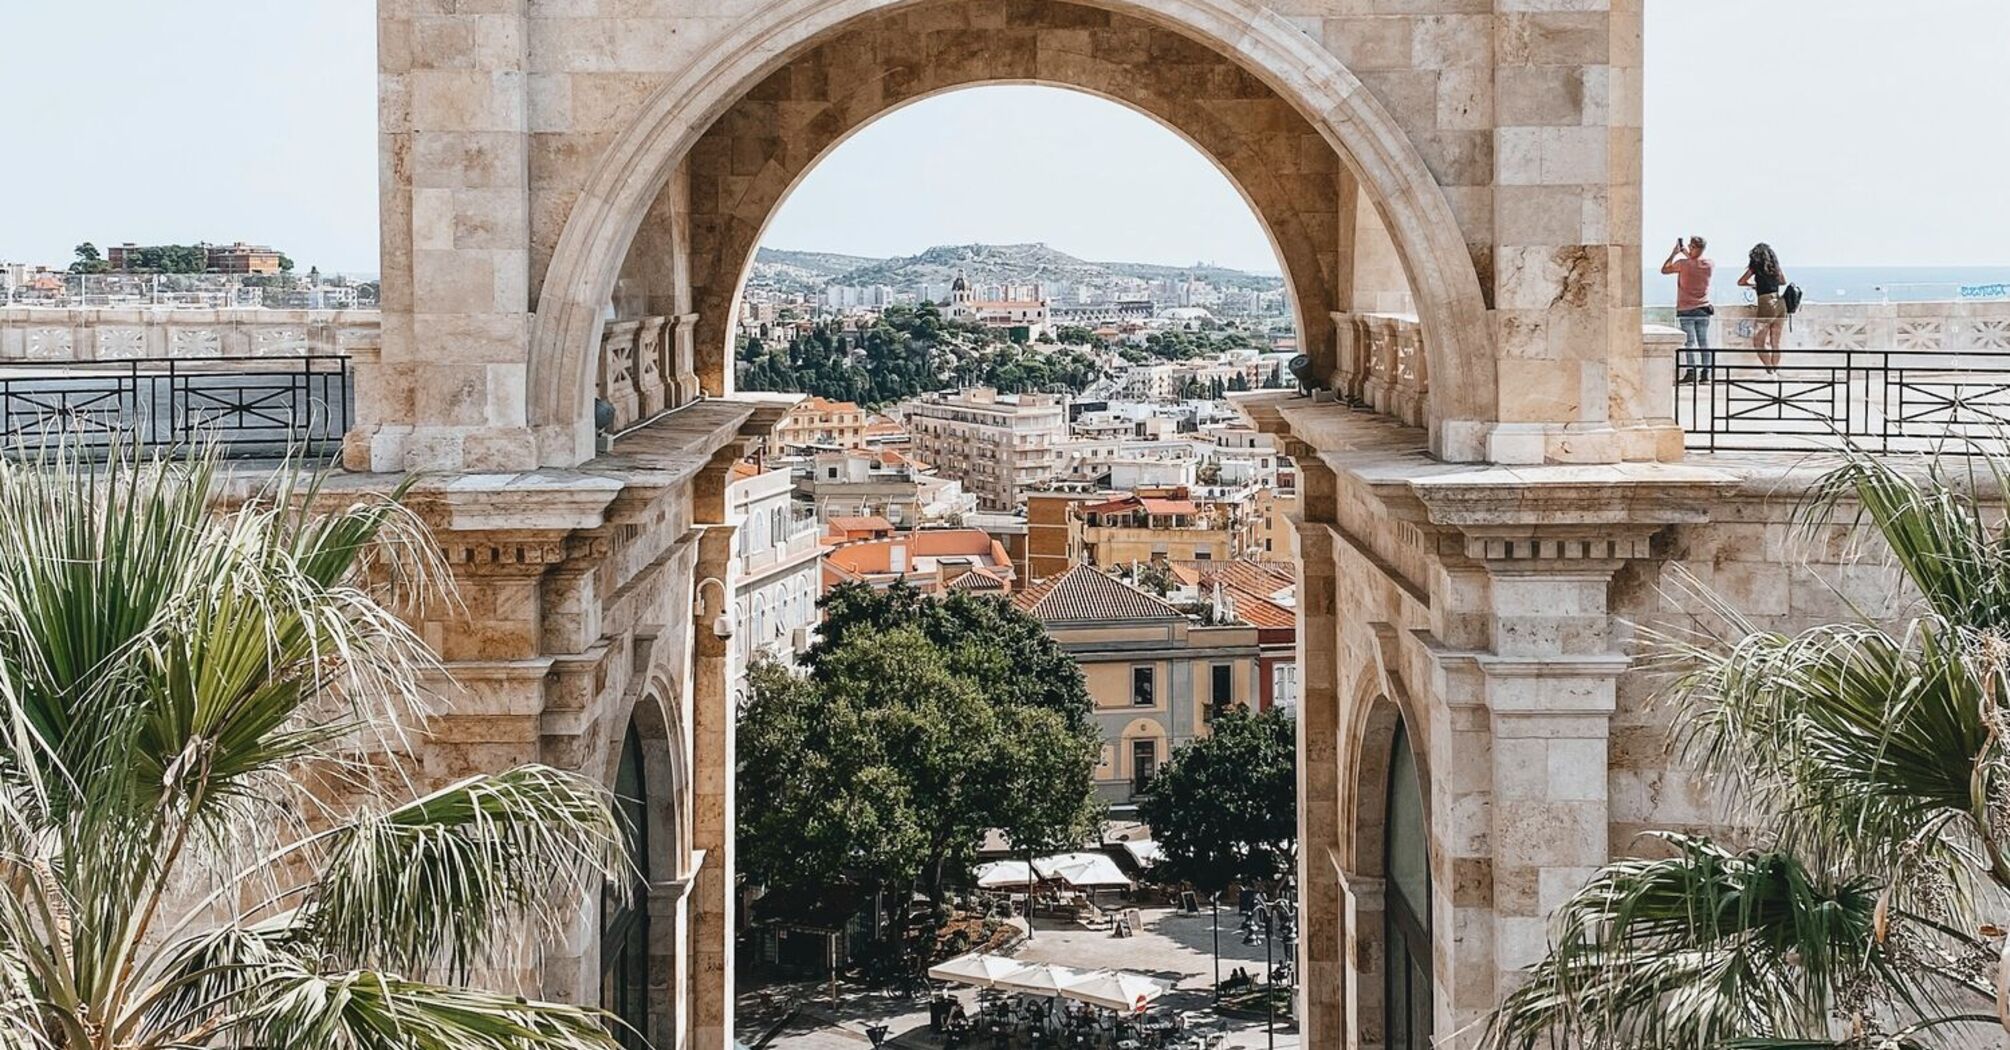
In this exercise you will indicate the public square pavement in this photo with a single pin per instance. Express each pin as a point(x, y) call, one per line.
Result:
point(1175, 948)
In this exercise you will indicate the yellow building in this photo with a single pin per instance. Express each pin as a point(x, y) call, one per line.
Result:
point(1164, 524)
point(819, 422)
point(1158, 675)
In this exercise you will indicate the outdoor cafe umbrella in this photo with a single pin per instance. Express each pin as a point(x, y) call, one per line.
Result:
point(1115, 990)
point(1039, 979)
point(1003, 874)
point(1082, 869)
point(975, 968)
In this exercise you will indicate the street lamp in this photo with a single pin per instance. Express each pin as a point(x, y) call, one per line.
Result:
point(1278, 919)
point(1214, 914)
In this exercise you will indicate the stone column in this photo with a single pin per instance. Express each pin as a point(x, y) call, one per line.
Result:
point(712, 905)
point(1550, 684)
point(1325, 1008)
point(1567, 156)
point(449, 390)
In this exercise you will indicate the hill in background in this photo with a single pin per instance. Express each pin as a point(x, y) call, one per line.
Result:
point(807, 272)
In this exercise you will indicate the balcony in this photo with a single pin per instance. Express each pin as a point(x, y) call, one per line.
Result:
point(798, 540)
point(1879, 400)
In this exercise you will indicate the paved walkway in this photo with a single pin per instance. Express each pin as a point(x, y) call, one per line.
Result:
point(1178, 949)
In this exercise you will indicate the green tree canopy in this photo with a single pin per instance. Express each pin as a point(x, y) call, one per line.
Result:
point(910, 351)
point(919, 724)
point(1224, 807)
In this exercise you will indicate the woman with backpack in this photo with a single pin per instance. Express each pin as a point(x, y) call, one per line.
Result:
point(1764, 276)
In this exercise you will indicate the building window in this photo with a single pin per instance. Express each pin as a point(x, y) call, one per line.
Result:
point(1144, 763)
point(831, 473)
point(1406, 929)
point(625, 981)
point(1143, 690)
point(1221, 691)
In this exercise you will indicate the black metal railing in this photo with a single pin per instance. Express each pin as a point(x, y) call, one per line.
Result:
point(1879, 400)
point(253, 408)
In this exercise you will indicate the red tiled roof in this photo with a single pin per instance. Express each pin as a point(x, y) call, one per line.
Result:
point(843, 523)
point(1085, 593)
point(979, 579)
point(1169, 506)
point(1250, 584)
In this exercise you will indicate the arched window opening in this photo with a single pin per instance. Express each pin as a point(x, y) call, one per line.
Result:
point(624, 916)
point(1406, 934)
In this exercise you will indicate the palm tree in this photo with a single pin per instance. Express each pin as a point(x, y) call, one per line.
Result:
point(1872, 764)
point(202, 843)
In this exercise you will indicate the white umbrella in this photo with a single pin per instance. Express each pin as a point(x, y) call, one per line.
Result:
point(1116, 990)
point(1082, 869)
point(1003, 874)
point(1039, 979)
point(975, 968)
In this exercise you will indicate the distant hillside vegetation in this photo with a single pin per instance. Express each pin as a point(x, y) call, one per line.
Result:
point(982, 263)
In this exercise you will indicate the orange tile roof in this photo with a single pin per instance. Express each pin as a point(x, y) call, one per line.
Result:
point(1169, 506)
point(978, 579)
point(1250, 584)
point(1086, 594)
point(844, 523)
point(875, 556)
point(744, 469)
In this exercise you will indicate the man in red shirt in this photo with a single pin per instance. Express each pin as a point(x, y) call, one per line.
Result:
point(1692, 306)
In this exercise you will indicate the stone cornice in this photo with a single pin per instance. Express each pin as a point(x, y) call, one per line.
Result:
point(670, 451)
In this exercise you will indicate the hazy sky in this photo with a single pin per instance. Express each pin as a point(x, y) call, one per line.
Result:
point(1843, 131)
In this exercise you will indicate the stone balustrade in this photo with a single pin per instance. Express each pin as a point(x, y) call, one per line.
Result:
point(646, 367)
point(35, 333)
point(1382, 364)
point(1948, 325)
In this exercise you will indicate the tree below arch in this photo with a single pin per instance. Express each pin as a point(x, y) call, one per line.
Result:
point(1224, 807)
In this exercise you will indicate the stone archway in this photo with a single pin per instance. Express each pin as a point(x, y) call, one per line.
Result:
point(753, 157)
point(1267, 49)
point(647, 748)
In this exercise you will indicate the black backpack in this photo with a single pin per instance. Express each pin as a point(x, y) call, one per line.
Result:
point(1791, 296)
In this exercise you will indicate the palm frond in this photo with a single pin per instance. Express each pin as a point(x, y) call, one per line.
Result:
point(442, 877)
point(1710, 948)
point(367, 1010)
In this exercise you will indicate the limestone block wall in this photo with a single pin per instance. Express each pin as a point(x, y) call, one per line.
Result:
point(1496, 612)
point(528, 147)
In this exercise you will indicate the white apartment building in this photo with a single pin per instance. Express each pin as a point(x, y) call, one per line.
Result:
point(866, 483)
point(997, 445)
point(777, 567)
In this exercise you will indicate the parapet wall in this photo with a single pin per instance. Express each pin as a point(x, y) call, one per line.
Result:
point(35, 333)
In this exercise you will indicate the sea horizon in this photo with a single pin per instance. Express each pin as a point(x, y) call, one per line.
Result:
point(1853, 284)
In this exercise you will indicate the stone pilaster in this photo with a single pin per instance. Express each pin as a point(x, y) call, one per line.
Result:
point(713, 904)
point(1567, 157)
point(1549, 684)
point(1325, 1009)
point(449, 391)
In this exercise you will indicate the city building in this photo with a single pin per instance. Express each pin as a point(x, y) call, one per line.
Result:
point(1162, 524)
point(1262, 594)
point(1026, 319)
point(933, 561)
point(998, 445)
point(818, 422)
point(1158, 675)
point(777, 570)
point(240, 257)
point(861, 482)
